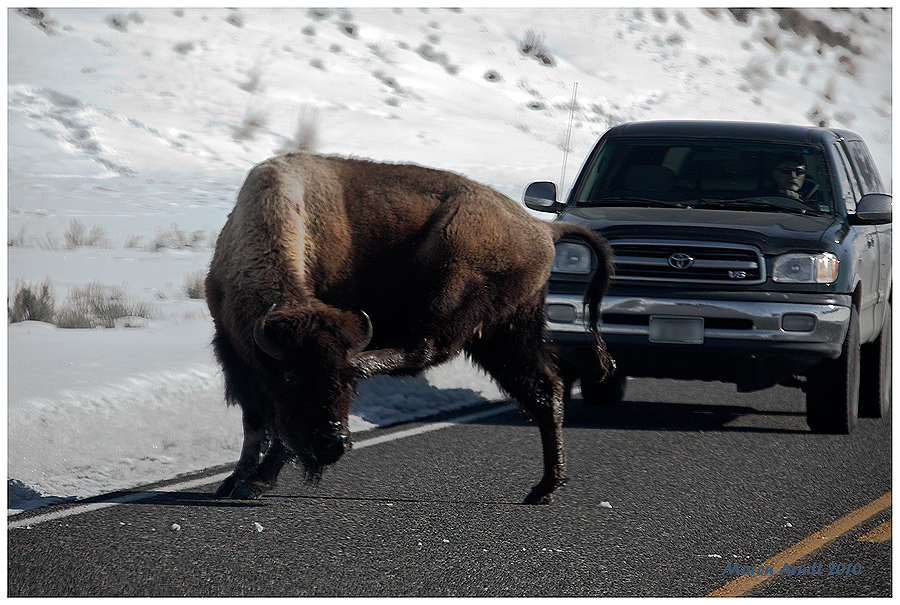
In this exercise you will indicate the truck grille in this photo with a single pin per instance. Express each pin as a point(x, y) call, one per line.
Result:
point(688, 262)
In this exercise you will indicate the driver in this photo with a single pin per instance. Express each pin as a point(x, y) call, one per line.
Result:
point(790, 176)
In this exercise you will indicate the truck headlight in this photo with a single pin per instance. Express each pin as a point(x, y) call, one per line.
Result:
point(572, 257)
point(805, 268)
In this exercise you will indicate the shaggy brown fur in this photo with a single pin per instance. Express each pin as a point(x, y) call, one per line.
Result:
point(323, 256)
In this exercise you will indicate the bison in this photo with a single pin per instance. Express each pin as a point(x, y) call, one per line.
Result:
point(331, 269)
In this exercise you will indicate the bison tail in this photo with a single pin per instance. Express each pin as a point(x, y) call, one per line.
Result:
point(599, 283)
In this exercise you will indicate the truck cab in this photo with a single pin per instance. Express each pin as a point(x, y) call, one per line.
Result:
point(753, 254)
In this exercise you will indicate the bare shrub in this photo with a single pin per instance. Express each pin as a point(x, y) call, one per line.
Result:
point(674, 39)
point(532, 45)
point(383, 52)
point(195, 286)
point(347, 25)
point(178, 239)
point(18, 240)
point(318, 14)
point(235, 18)
point(183, 48)
point(390, 82)
point(40, 20)
point(254, 120)
point(78, 235)
point(741, 15)
point(830, 92)
point(119, 22)
point(848, 65)
point(48, 242)
point(429, 53)
point(818, 116)
point(95, 305)
point(757, 75)
point(254, 80)
point(492, 75)
point(32, 302)
point(847, 118)
point(794, 20)
point(306, 138)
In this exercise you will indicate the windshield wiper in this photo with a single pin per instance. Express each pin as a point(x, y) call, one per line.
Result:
point(621, 200)
point(755, 204)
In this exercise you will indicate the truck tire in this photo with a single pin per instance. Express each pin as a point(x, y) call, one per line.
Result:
point(832, 387)
point(609, 391)
point(875, 379)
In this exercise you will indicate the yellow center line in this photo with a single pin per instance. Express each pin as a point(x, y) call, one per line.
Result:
point(742, 584)
point(882, 533)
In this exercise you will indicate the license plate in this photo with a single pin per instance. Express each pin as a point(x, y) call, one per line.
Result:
point(676, 330)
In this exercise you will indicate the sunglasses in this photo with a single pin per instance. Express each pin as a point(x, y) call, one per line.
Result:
point(797, 171)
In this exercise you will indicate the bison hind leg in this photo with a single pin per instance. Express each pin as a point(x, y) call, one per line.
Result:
point(516, 355)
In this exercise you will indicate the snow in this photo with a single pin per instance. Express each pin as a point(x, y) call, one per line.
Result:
point(145, 125)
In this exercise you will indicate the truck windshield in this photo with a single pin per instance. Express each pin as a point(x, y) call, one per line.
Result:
point(735, 175)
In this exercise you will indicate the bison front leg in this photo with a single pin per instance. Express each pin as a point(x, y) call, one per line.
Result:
point(391, 361)
point(254, 438)
point(252, 477)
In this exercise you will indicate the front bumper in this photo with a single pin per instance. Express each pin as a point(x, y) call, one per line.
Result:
point(743, 341)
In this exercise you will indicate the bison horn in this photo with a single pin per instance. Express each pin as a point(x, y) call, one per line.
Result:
point(366, 339)
point(264, 341)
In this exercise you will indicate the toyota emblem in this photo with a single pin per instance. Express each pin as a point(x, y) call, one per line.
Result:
point(681, 260)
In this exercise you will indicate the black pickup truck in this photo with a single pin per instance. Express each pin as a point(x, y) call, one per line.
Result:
point(753, 254)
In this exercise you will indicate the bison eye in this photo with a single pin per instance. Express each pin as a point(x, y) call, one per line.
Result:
point(292, 379)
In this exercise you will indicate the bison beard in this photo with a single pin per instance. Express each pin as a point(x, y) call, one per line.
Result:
point(329, 270)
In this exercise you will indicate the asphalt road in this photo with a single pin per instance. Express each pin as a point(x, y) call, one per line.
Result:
point(678, 492)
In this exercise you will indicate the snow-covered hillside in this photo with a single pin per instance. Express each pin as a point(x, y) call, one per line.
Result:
point(131, 130)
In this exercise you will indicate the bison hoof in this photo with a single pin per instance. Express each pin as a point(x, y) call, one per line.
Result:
point(240, 489)
point(245, 490)
point(536, 498)
point(226, 488)
point(542, 493)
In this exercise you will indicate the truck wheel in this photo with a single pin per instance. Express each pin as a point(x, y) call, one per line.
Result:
point(875, 380)
point(832, 387)
point(606, 392)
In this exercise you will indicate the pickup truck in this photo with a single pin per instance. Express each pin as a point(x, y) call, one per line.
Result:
point(746, 253)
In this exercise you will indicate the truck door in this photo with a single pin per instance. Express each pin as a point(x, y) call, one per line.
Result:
point(871, 182)
point(864, 241)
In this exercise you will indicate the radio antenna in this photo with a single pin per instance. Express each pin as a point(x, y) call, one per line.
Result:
point(562, 177)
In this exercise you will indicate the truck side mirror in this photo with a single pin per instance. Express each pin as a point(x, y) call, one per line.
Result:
point(873, 209)
point(541, 196)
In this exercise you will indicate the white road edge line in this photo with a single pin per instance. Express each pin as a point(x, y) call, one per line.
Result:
point(136, 496)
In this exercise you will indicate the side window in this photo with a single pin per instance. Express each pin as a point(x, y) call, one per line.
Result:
point(846, 188)
point(871, 181)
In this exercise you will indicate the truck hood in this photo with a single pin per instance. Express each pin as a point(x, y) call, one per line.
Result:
point(771, 232)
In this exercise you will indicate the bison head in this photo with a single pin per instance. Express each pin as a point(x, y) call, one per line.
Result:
point(312, 380)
